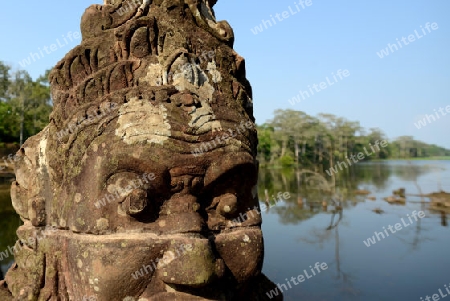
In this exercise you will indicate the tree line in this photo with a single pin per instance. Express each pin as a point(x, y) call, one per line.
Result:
point(294, 138)
point(25, 104)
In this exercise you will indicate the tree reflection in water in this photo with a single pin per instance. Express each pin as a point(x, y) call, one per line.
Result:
point(9, 222)
point(337, 198)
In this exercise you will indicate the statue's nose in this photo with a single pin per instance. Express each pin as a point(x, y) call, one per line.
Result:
point(190, 262)
point(180, 214)
point(190, 259)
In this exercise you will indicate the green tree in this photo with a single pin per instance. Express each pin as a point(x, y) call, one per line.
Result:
point(266, 143)
point(377, 135)
point(21, 91)
point(25, 104)
point(4, 80)
point(6, 122)
point(296, 138)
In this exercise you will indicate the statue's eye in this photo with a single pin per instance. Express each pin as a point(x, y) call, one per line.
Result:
point(138, 195)
point(135, 202)
point(130, 191)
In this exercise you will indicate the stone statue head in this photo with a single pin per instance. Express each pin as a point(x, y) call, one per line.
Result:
point(146, 172)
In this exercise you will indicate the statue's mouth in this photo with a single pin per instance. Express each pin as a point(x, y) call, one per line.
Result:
point(183, 266)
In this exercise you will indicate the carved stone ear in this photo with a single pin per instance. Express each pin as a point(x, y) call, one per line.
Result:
point(32, 175)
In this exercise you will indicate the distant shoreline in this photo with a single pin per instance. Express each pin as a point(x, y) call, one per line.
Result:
point(416, 159)
point(437, 158)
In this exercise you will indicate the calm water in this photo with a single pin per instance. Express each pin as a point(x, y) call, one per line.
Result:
point(9, 222)
point(412, 263)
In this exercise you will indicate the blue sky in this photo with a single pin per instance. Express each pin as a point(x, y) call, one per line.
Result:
point(303, 49)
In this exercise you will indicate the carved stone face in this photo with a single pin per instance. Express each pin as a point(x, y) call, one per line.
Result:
point(147, 168)
point(185, 216)
point(192, 211)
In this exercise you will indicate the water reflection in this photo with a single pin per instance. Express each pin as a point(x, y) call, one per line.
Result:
point(333, 215)
point(9, 222)
point(316, 193)
point(443, 219)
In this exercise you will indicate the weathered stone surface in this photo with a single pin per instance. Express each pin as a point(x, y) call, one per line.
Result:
point(147, 171)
